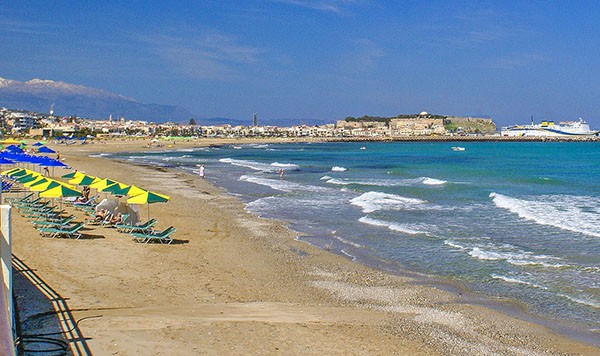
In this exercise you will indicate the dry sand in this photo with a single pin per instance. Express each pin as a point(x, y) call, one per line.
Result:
point(235, 284)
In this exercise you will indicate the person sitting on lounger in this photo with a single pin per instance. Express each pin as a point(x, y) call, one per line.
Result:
point(101, 215)
point(116, 219)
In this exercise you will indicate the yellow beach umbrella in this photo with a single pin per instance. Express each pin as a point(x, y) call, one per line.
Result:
point(39, 179)
point(60, 191)
point(51, 183)
point(12, 170)
point(130, 191)
point(10, 141)
point(102, 183)
point(83, 179)
point(72, 175)
point(114, 186)
point(148, 198)
point(19, 172)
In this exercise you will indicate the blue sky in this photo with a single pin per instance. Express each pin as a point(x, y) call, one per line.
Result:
point(323, 59)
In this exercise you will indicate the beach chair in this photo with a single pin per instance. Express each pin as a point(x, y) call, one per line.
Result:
point(25, 201)
point(39, 212)
point(163, 236)
point(90, 202)
point(95, 221)
point(111, 223)
point(54, 222)
point(67, 231)
point(140, 228)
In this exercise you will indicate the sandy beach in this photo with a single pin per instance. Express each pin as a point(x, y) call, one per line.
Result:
point(235, 284)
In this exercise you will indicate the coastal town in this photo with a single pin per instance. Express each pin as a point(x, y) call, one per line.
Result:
point(421, 126)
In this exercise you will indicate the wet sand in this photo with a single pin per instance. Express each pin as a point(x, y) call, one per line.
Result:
point(233, 283)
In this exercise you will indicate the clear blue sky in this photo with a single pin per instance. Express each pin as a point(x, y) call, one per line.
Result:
point(324, 59)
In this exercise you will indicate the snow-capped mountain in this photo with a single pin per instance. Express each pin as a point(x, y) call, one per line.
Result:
point(70, 99)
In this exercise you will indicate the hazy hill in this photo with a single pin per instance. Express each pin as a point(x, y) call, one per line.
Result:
point(69, 99)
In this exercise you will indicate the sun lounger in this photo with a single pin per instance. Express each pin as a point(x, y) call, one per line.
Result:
point(163, 236)
point(16, 200)
point(141, 228)
point(90, 202)
point(54, 222)
point(69, 231)
point(24, 201)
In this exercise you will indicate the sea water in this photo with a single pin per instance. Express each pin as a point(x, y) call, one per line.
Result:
point(513, 221)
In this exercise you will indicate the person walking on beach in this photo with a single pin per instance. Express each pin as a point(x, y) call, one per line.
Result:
point(201, 171)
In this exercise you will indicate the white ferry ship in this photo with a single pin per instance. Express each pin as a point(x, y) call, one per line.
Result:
point(549, 128)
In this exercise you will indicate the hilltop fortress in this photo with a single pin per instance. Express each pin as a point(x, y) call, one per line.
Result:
point(422, 124)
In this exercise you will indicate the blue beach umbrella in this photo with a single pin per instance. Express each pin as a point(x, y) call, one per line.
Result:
point(45, 149)
point(5, 161)
point(14, 148)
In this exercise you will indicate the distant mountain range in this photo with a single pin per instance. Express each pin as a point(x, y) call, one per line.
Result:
point(39, 95)
point(70, 99)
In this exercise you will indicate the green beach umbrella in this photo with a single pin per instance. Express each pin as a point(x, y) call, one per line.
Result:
point(148, 198)
point(27, 178)
point(60, 191)
point(51, 183)
point(114, 187)
point(102, 184)
point(130, 191)
point(19, 173)
point(12, 170)
point(37, 180)
point(83, 179)
point(71, 175)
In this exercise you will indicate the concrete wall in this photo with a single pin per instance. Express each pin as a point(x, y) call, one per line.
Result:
point(6, 302)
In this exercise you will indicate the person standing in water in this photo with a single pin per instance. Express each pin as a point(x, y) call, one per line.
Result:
point(201, 171)
point(281, 172)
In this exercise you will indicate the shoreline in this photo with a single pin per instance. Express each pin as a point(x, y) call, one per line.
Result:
point(308, 285)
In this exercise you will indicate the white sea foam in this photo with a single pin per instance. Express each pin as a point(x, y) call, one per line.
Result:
point(325, 178)
point(455, 245)
point(259, 166)
point(281, 203)
point(348, 242)
point(433, 181)
point(287, 166)
point(588, 302)
point(338, 169)
point(517, 281)
point(403, 228)
point(281, 184)
point(352, 257)
point(514, 256)
point(573, 213)
point(388, 182)
point(276, 184)
point(374, 201)
point(259, 146)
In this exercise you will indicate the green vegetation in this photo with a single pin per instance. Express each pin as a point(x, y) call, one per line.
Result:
point(387, 119)
point(473, 126)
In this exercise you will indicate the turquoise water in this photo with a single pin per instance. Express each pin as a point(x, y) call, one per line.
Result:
point(517, 221)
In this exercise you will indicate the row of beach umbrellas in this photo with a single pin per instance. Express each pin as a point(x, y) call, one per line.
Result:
point(52, 188)
point(135, 194)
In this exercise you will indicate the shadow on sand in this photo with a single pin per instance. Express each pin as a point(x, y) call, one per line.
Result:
point(45, 323)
